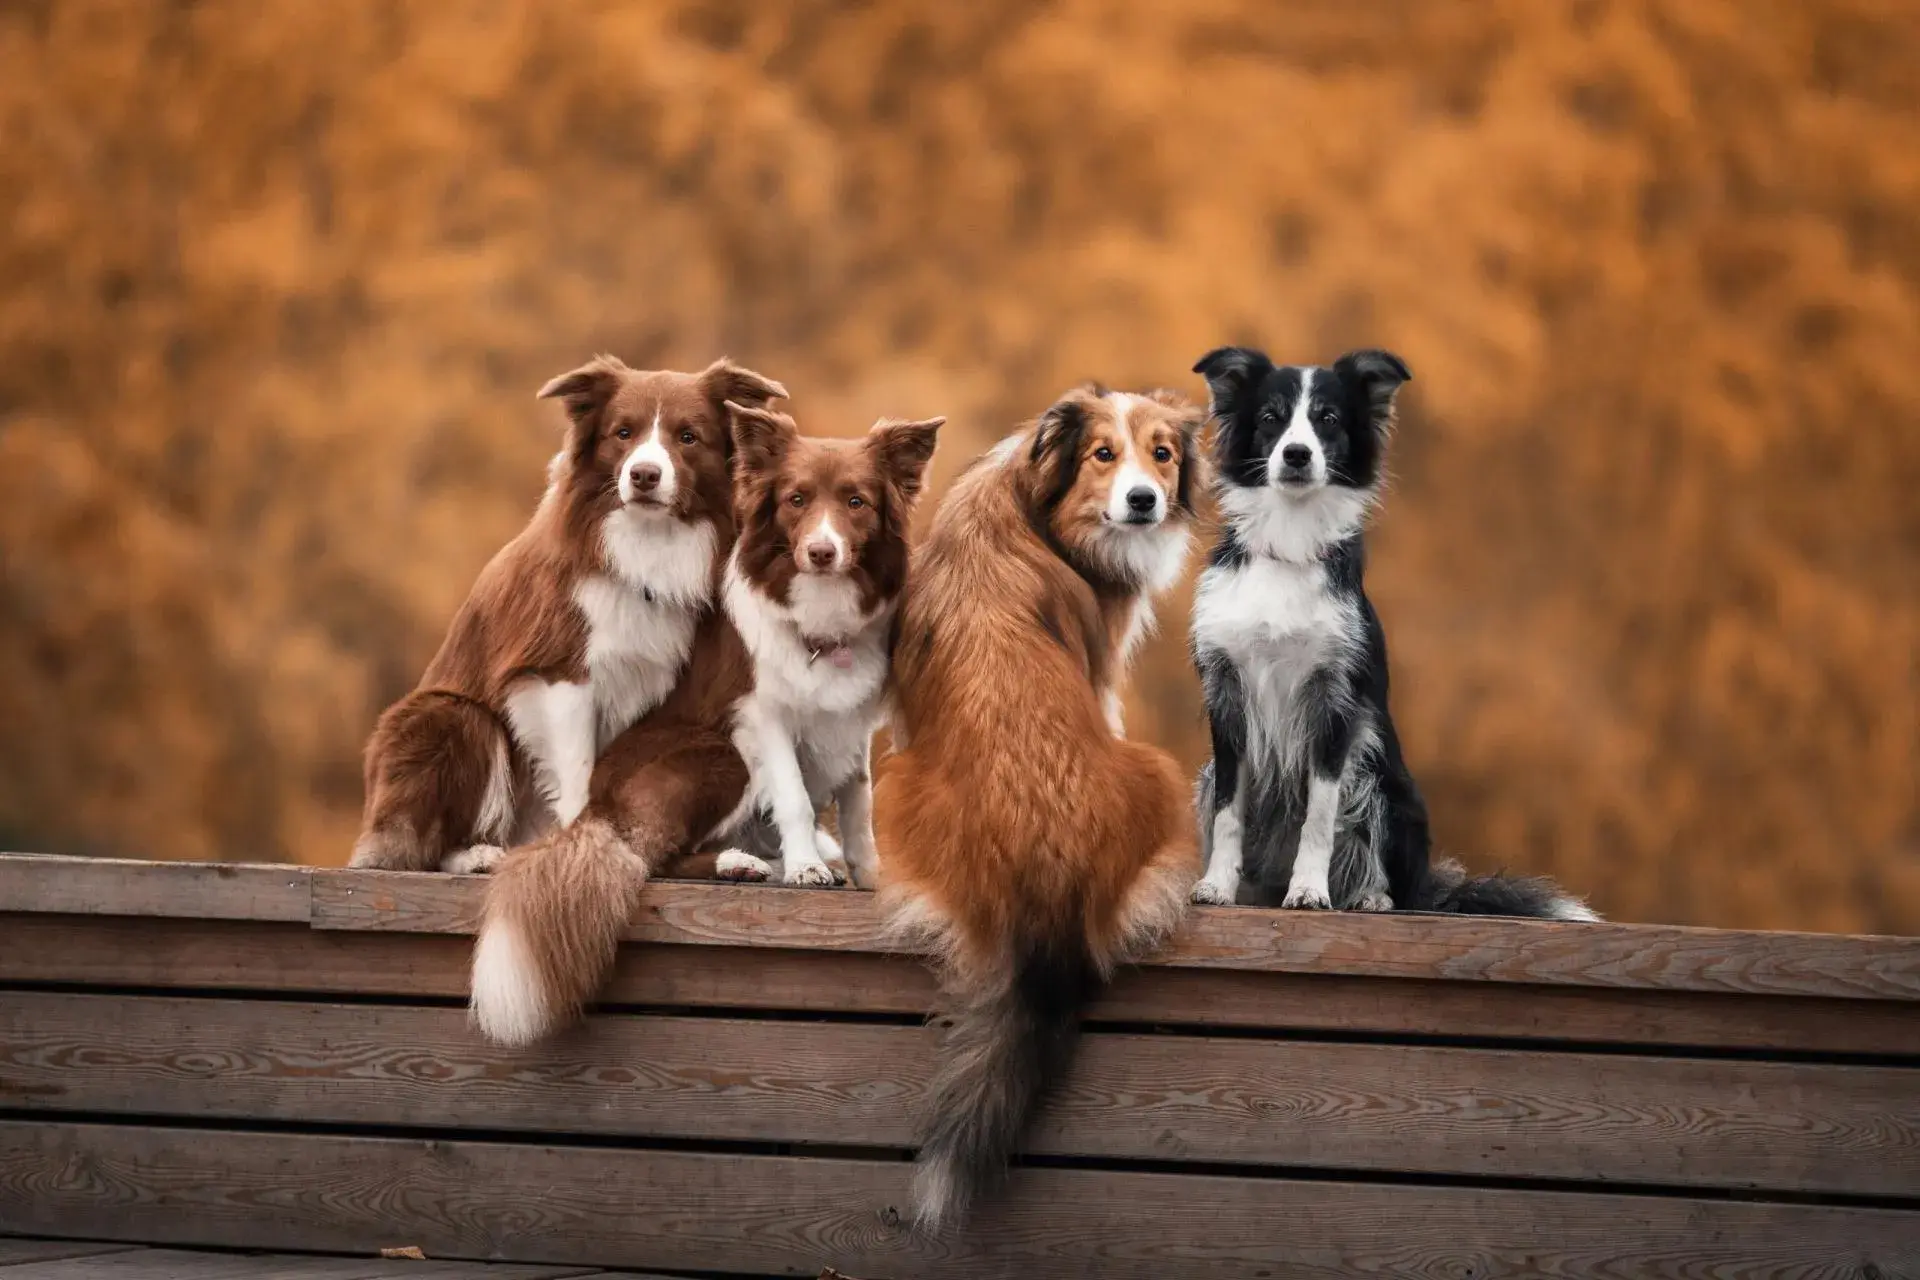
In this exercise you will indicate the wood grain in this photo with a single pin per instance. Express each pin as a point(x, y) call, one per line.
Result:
point(1428, 947)
point(117, 887)
point(1495, 1113)
point(248, 956)
point(180, 1264)
point(15, 1252)
point(693, 1211)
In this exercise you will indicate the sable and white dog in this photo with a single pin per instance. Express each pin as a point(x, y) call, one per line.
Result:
point(1307, 798)
point(576, 629)
point(1030, 844)
point(771, 722)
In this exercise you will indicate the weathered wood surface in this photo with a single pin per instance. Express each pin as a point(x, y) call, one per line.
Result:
point(129, 952)
point(682, 1210)
point(127, 1262)
point(15, 1252)
point(200, 890)
point(1593, 1117)
point(1639, 957)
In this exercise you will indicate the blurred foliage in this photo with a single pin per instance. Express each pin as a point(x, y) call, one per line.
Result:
point(277, 283)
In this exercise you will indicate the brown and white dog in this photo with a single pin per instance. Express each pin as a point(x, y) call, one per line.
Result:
point(576, 629)
point(772, 722)
point(1021, 835)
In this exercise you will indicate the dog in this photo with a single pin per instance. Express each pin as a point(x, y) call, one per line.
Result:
point(772, 720)
point(1024, 840)
point(1308, 797)
point(576, 629)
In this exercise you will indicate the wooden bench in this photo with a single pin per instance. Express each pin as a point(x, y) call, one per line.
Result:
point(278, 1058)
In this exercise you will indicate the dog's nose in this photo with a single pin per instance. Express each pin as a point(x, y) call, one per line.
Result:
point(1297, 455)
point(1141, 500)
point(646, 476)
point(820, 554)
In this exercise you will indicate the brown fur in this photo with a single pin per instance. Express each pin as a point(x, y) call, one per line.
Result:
point(671, 782)
point(430, 759)
point(1018, 833)
point(788, 483)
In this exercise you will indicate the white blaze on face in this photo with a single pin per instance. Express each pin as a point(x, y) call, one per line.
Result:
point(824, 534)
point(1132, 474)
point(1300, 432)
point(652, 450)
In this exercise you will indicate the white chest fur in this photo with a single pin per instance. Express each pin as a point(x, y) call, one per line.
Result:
point(828, 710)
point(1278, 622)
point(640, 613)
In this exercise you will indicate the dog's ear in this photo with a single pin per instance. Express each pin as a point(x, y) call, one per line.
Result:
point(903, 450)
point(760, 438)
point(586, 389)
point(1379, 374)
point(726, 381)
point(1193, 465)
point(1057, 437)
point(1231, 372)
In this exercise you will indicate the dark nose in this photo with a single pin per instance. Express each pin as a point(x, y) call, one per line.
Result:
point(1297, 455)
point(1141, 499)
point(821, 554)
point(646, 476)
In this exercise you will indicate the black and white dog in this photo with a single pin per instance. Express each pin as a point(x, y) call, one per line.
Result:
point(1307, 798)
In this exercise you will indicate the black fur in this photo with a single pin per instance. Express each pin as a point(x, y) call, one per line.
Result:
point(1292, 655)
point(998, 1064)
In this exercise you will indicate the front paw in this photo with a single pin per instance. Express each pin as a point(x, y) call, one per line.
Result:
point(1212, 893)
point(809, 875)
point(1306, 898)
point(1374, 901)
point(478, 860)
point(741, 867)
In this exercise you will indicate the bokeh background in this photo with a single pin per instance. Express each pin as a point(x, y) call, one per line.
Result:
point(277, 282)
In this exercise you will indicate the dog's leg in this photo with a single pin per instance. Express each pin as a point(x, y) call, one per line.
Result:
point(1329, 712)
point(1221, 883)
point(777, 778)
point(855, 802)
point(557, 726)
point(1116, 709)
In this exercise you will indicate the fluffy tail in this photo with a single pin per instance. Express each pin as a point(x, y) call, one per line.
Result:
point(551, 928)
point(1006, 1050)
point(1449, 888)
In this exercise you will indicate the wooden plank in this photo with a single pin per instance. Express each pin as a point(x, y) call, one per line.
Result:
point(245, 956)
point(1430, 947)
point(15, 1252)
point(89, 1262)
point(1474, 1112)
point(117, 887)
point(695, 1211)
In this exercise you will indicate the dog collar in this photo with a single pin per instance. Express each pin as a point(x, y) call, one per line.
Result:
point(838, 652)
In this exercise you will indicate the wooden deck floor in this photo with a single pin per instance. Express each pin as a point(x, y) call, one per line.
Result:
point(81, 1260)
point(279, 1059)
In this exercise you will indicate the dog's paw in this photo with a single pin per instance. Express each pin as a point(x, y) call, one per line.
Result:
point(1211, 893)
point(810, 875)
point(829, 847)
point(741, 867)
point(841, 873)
point(1375, 901)
point(478, 860)
point(1304, 898)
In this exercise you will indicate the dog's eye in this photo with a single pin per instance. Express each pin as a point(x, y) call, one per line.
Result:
point(796, 499)
point(1162, 454)
point(687, 437)
point(624, 433)
point(856, 501)
point(1103, 454)
point(1327, 417)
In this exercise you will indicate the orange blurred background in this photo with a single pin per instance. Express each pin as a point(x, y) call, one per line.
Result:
point(277, 283)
